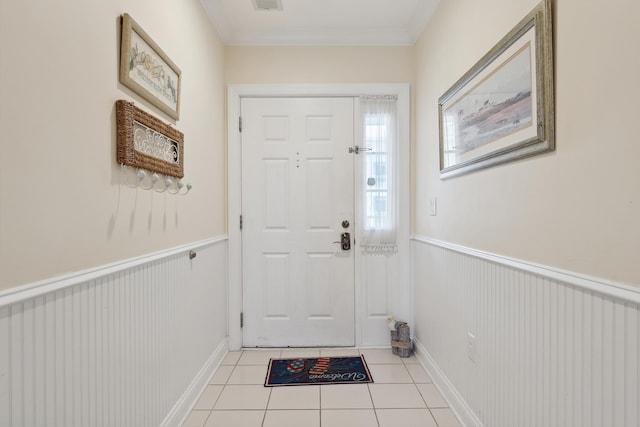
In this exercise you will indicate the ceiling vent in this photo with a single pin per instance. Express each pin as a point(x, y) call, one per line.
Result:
point(267, 4)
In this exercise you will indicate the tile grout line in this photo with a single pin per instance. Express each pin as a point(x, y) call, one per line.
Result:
point(426, 404)
point(320, 402)
point(226, 382)
point(373, 404)
point(266, 409)
point(210, 412)
point(404, 363)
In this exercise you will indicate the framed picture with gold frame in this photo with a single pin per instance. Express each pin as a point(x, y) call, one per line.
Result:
point(147, 70)
point(502, 109)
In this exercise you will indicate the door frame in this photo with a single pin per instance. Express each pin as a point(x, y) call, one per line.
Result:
point(234, 177)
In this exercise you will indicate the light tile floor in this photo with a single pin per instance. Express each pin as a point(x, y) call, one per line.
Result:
point(402, 395)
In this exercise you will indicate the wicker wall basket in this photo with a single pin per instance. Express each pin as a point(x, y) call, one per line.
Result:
point(146, 142)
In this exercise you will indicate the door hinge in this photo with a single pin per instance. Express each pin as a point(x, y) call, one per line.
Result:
point(240, 124)
point(241, 222)
point(241, 319)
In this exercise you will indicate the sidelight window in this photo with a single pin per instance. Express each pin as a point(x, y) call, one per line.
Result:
point(379, 173)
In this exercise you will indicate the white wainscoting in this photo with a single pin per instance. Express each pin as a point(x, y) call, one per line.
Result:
point(130, 344)
point(552, 348)
point(385, 292)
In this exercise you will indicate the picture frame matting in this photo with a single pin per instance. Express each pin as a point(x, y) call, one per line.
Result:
point(502, 109)
point(147, 70)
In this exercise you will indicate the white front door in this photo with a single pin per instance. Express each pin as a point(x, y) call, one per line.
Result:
point(297, 200)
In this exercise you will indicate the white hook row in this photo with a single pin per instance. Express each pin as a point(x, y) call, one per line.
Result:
point(157, 182)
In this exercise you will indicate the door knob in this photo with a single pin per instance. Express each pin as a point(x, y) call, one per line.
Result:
point(345, 241)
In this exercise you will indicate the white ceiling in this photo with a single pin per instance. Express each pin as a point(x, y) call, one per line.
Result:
point(321, 22)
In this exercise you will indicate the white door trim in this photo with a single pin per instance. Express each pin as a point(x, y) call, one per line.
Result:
point(234, 174)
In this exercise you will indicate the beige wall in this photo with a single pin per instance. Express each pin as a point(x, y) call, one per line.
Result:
point(319, 64)
point(63, 207)
point(576, 209)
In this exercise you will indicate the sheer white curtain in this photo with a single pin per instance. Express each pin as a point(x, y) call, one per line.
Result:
point(379, 173)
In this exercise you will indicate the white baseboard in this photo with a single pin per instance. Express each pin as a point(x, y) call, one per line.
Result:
point(458, 405)
point(183, 406)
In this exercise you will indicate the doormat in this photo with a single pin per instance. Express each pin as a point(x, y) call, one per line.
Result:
point(318, 370)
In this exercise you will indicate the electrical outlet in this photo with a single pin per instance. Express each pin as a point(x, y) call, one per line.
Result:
point(471, 347)
point(433, 206)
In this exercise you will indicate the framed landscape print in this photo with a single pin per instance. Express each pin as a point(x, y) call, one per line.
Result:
point(503, 108)
point(147, 70)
